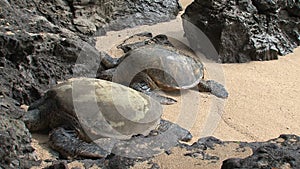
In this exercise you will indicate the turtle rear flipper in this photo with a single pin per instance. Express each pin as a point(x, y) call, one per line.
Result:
point(162, 99)
point(146, 90)
point(67, 143)
point(213, 87)
point(143, 83)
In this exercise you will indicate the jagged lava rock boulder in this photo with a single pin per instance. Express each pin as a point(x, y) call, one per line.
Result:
point(96, 17)
point(282, 152)
point(15, 148)
point(35, 54)
point(244, 30)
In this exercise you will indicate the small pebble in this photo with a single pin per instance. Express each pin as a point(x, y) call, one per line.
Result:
point(168, 152)
point(24, 107)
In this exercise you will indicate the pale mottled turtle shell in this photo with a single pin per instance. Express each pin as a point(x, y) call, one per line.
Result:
point(104, 109)
point(167, 67)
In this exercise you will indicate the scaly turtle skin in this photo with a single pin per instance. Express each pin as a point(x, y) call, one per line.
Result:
point(81, 111)
point(155, 64)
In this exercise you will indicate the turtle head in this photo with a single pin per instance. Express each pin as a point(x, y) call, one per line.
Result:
point(34, 121)
point(34, 118)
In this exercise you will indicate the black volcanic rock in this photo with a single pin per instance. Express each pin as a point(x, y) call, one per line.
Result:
point(34, 62)
point(35, 54)
point(276, 153)
point(15, 148)
point(91, 17)
point(243, 30)
point(281, 152)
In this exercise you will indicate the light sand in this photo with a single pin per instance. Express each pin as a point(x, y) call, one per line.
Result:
point(264, 99)
point(263, 102)
point(178, 160)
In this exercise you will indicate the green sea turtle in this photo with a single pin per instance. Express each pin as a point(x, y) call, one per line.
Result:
point(91, 118)
point(155, 64)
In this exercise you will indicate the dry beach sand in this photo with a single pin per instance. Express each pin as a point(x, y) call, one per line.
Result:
point(263, 102)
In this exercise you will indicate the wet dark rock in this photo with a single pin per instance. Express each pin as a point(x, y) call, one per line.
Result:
point(122, 162)
point(281, 152)
point(153, 165)
point(34, 57)
point(126, 163)
point(202, 155)
point(198, 149)
point(143, 39)
point(244, 30)
point(204, 144)
point(58, 165)
point(10, 107)
point(88, 163)
point(27, 73)
point(96, 17)
point(276, 153)
point(15, 148)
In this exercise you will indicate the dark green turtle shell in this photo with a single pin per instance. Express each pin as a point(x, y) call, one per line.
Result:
point(167, 67)
point(98, 108)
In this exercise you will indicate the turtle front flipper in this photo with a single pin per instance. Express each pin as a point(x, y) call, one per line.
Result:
point(67, 143)
point(143, 83)
point(213, 87)
point(162, 99)
point(106, 74)
point(166, 126)
point(108, 61)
